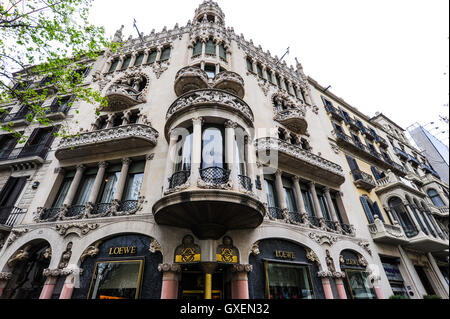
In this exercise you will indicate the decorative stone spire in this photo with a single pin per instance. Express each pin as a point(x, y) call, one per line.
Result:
point(209, 11)
point(118, 35)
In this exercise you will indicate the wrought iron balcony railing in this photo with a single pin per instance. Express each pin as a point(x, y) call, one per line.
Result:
point(179, 178)
point(39, 150)
point(9, 215)
point(275, 212)
point(335, 113)
point(363, 179)
point(215, 175)
point(246, 182)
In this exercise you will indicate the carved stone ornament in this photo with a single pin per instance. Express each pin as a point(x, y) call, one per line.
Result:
point(66, 256)
point(242, 268)
point(5, 276)
point(324, 274)
point(323, 239)
point(366, 247)
point(20, 255)
point(255, 249)
point(80, 229)
point(91, 251)
point(205, 185)
point(169, 268)
point(15, 234)
point(129, 90)
point(312, 256)
point(330, 262)
point(155, 246)
point(362, 261)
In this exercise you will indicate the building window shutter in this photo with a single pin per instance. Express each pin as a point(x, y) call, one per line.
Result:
point(352, 163)
point(375, 172)
point(377, 211)
point(367, 209)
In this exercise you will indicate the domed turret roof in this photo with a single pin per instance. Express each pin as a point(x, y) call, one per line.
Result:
point(211, 11)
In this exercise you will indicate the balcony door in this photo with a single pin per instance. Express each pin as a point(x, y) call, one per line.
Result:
point(9, 195)
point(7, 144)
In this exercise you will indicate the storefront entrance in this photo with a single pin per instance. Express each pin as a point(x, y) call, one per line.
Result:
point(357, 284)
point(193, 287)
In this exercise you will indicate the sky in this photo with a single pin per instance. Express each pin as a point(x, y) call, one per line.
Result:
point(388, 56)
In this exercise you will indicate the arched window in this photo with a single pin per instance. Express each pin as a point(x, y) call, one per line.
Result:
point(399, 211)
point(222, 52)
point(210, 47)
point(436, 199)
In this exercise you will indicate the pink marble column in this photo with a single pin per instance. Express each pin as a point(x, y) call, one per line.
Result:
point(48, 288)
point(239, 282)
point(67, 290)
point(4, 277)
point(341, 289)
point(170, 280)
point(327, 288)
point(378, 291)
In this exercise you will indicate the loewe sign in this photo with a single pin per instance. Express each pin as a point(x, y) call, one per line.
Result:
point(284, 254)
point(122, 250)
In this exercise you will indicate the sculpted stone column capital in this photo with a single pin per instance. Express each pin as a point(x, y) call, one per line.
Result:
point(126, 161)
point(197, 120)
point(103, 164)
point(230, 124)
point(81, 167)
point(5, 276)
point(246, 268)
point(169, 268)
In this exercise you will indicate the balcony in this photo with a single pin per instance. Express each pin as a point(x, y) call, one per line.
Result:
point(381, 141)
point(401, 153)
point(351, 123)
point(367, 133)
point(294, 119)
point(370, 154)
point(190, 79)
point(413, 160)
point(363, 180)
point(213, 99)
point(387, 234)
point(18, 119)
point(127, 91)
point(57, 110)
point(335, 113)
point(428, 169)
point(304, 162)
point(109, 140)
point(9, 216)
point(392, 182)
point(230, 82)
point(98, 210)
point(24, 157)
point(427, 243)
point(208, 203)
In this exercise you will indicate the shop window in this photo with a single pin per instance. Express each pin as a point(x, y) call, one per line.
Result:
point(288, 281)
point(152, 56)
point(359, 284)
point(117, 279)
point(165, 54)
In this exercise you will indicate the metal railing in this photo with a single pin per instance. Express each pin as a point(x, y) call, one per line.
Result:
point(246, 182)
point(335, 112)
point(128, 205)
point(296, 217)
point(179, 178)
point(315, 221)
point(9, 215)
point(275, 212)
point(359, 175)
point(215, 175)
point(39, 150)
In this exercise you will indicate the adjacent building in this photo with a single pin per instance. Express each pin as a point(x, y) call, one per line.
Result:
point(215, 172)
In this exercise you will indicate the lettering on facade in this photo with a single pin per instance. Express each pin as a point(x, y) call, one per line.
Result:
point(284, 254)
point(351, 262)
point(122, 251)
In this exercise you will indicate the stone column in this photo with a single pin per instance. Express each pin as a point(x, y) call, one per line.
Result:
point(171, 273)
point(69, 284)
point(250, 159)
point(146, 54)
point(158, 54)
point(239, 281)
point(414, 218)
point(280, 190)
point(196, 150)
point(230, 152)
point(119, 65)
point(330, 205)
point(97, 182)
point(318, 211)
point(340, 288)
point(378, 291)
point(436, 269)
point(74, 185)
point(299, 197)
point(126, 162)
point(106, 66)
point(133, 59)
point(50, 282)
point(327, 288)
point(173, 138)
point(110, 121)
